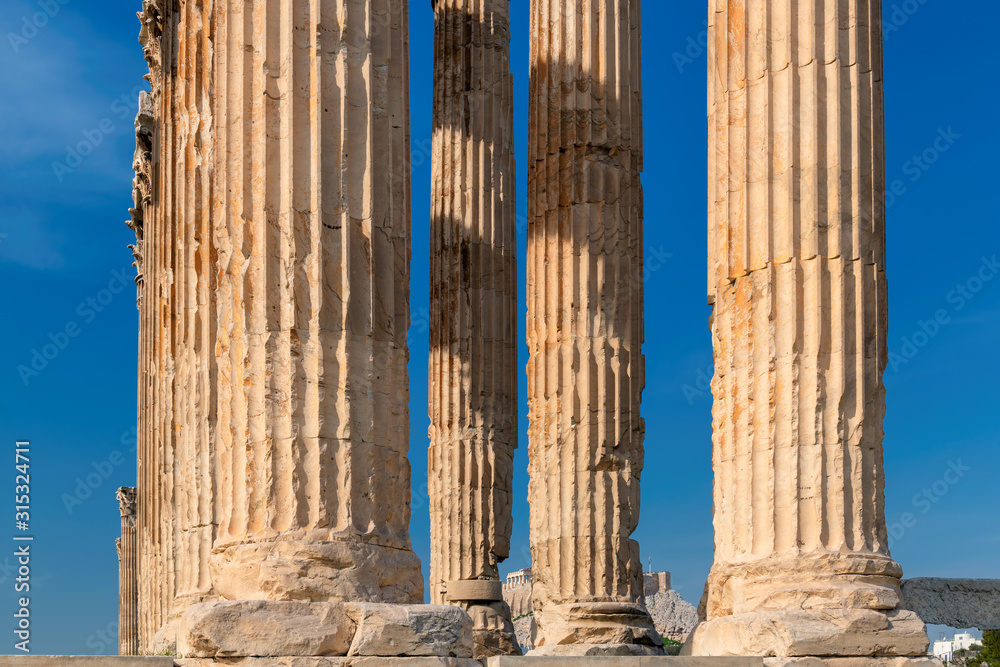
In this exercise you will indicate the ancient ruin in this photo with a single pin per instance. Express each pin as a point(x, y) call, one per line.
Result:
point(128, 576)
point(797, 282)
point(473, 323)
point(585, 325)
point(273, 246)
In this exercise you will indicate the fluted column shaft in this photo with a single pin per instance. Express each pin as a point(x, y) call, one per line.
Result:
point(128, 575)
point(312, 232)
point(797, 279)
point(178, 323)
point(797, 268)
point(473, 301)
point(585, 321)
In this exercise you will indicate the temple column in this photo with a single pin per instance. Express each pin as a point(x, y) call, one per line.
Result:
point(473, 330)
point(797, 279)
point(128, 575)
point(585, 325)
point(312, 235)
point(177, 317)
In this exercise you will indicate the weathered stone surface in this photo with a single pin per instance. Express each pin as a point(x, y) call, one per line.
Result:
point(611, 661)
point(494, 632)
point(411, 630)
point(852, 662)
point(82, 661)
point(172, 197)
point(330, 662)
point(815, 633)
point(264, 629)
point(798, 284)
point(128, 575)
point(958, 603)
point(320, 570)
point(473, 372)
point(673, 616)
point(585, 323)
point(312, 235)
point(595, 651)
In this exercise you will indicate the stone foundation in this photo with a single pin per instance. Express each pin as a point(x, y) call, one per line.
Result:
point(817, 632)
point(289, 630)
point(612, 661)
point(332, 662)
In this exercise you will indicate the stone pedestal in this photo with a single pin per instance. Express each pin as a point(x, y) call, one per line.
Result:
point(585, 323)
point(797, 279)
point(473, 332)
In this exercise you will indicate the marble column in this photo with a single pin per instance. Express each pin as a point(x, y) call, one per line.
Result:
point(128, 575)
point(585, 325)
point(797, 280)
point(311, 226)
point(473, 304)
point(177, 318)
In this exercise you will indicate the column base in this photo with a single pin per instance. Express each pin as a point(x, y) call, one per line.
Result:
point(291, 630)
point(837, 633)
point(328, 569)
point(493, 630)
point(597, 651)
point(596, 624)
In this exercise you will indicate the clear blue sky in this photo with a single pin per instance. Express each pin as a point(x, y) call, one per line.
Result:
point(62, 242)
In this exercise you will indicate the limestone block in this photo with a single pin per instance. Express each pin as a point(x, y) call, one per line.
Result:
point(596, 651)
point(612, 661)
point(852, 662)
point(831, 632)
point(327, 570)
point(411, 630)
point(327, 662)
point(958, 603)
point(264, 629)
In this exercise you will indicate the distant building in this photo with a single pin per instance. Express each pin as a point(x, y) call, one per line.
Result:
point(945, 649)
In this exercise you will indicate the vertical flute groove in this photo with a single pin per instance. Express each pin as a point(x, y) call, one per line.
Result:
point(585, 321)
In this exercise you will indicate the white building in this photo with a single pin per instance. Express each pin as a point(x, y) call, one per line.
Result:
point(945, 649)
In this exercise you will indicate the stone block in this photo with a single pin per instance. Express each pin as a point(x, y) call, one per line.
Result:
point(617, 661)
point(263, 629)
point(821, 632)
point(411, 630)
point(958, 603)
point(852, 662)
point(330, 662)
point(82, 661)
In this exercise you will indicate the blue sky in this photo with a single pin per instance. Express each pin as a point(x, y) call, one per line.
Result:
point(63, 245)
